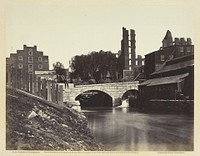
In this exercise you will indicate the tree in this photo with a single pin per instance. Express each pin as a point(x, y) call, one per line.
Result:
point(94, 65)
point(60, 72)
point(58, 68)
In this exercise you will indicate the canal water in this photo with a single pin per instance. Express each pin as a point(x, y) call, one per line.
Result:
point(125, 129)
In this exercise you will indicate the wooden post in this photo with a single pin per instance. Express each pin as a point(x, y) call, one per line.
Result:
point(53, 92)
point(57, 93)
point(18, 79)
point(31, 83)
point(9, 76)
point(23, 80)
point(39, 87)
point(28, 82)
point(61, 95)
point(34, 85)
point(14, 77)
point(44, 89)
point(48, 90)
point(24, 77)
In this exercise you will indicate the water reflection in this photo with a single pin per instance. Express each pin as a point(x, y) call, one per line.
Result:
point(124, 110)
point(125, 129)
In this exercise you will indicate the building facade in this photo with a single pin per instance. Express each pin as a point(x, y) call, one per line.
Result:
point(173, 80)
point(169, 72)
point(170, 49)
point(25, 62)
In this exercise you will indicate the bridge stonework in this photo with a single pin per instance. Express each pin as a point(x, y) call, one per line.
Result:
point(115, 90)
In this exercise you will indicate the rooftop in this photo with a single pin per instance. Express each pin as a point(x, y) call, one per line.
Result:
point(164, 80)
point(176, 64)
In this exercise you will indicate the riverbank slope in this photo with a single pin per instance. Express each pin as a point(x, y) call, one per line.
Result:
point(35, 124)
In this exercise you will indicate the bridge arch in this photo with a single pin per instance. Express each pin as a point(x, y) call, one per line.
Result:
point(131, 92)
point(83, 90)
point(125, 93)
point(94, 98)
point(132, 97)
point(114, 90)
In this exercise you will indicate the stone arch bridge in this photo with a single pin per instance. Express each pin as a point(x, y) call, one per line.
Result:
point(115, 90)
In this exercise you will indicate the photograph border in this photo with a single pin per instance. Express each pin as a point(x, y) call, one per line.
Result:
point(196, 5)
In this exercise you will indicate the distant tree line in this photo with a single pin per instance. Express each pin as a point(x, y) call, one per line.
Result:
point(94, 66)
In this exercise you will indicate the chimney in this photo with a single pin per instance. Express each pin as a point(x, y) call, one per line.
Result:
point(25, 46)
point(182, 41)
point(189, 41)
point(177, 41)
point(35, 47)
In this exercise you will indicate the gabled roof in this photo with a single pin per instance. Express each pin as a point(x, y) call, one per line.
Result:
point(174, 67)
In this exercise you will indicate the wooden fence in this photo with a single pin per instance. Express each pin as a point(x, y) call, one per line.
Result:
point(47, 89)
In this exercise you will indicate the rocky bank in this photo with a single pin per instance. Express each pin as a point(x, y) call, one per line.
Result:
point(35, 124)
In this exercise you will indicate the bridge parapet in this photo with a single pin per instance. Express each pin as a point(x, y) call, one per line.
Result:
point(108, 84)
point(115, 90)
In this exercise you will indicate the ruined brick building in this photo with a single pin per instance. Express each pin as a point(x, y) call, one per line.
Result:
point(129, 64)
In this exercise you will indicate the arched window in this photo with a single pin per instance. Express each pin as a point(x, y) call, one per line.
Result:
point(39, 66)
point(40, 59)
point(30, 52)
point(20, 58)
point(20, 66)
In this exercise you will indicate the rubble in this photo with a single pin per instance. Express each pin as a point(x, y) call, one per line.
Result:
point(32, 115)
point(33, 125)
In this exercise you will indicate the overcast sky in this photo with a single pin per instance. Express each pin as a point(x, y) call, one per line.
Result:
point(63, 29)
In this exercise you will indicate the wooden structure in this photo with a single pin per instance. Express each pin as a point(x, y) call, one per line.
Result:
point(47, 89)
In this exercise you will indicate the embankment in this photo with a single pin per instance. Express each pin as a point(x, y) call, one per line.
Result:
point(36, 124)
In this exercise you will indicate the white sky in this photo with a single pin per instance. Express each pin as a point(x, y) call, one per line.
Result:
point(63, 29)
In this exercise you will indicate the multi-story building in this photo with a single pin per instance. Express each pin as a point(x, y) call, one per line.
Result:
point(29, 59)
point(127, 56)
point(26, 62)
point(170, 49)
point(169, 72)
point(175, 78)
